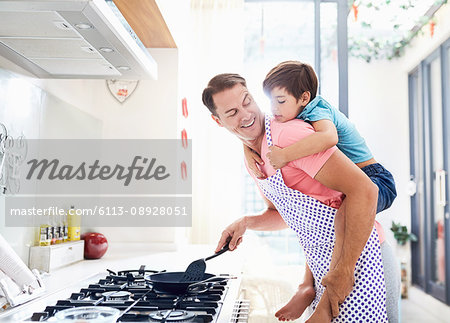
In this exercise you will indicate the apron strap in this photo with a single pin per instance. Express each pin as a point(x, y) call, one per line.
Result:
point(267, 118)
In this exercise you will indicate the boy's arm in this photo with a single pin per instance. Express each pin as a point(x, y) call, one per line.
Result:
point(324, 138)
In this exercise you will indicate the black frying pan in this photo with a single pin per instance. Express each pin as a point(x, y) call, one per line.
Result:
point(171, 282)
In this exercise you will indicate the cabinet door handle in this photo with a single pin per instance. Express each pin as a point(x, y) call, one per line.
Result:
point(440, 187)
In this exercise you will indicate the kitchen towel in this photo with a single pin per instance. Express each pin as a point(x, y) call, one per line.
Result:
point(13, 266)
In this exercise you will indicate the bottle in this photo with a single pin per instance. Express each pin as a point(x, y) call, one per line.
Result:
point(73, 224)
point(65, 228)
point(59, 228)
point(37, 231)
point(53, 228)
point(44, 233)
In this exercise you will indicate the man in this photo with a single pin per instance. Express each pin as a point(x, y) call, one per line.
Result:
point(326, 173)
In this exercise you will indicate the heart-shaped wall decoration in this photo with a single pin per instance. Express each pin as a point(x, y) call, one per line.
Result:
point(121, 89)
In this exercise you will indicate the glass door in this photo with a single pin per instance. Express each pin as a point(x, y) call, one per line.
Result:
point(416, 185)
point(429, 91)
point(436, 177)
point(446, 134)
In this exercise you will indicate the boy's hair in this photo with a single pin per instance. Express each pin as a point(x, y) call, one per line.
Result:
point(295, 77)
point(218, 84)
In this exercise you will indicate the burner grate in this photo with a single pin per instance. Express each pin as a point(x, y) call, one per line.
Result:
point(129, 292)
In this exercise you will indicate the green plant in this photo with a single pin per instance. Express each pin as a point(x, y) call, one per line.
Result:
point(369, 45)
point(401, 233)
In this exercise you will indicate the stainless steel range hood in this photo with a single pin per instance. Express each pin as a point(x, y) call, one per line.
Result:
point(72, 39)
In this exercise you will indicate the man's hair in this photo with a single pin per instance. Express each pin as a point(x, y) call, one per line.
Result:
point(293, 76)
point(218, 84)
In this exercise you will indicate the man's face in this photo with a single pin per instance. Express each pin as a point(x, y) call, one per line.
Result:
point(239, 113)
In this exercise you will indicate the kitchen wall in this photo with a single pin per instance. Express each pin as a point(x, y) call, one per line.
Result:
point(27, 110)
point(206, 48)
point(86, 109)
point(378, 105)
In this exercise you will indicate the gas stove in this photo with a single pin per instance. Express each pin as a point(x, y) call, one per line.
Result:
point(130, 292)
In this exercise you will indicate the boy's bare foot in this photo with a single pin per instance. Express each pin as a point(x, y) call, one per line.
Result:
point(323, 311)
point(297, 304)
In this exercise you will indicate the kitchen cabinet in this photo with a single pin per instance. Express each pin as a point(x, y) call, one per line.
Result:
point(147, 22)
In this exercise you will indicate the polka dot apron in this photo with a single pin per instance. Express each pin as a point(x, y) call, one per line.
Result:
point(313, 223)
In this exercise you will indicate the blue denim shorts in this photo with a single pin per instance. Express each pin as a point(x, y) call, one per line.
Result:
point(385, 182)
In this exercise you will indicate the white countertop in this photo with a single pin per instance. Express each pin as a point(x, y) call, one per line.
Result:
point(122, 256)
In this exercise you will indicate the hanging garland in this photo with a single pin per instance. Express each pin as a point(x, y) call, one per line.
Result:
point(373, 47)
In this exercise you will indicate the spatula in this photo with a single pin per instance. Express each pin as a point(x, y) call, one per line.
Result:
point(196, 269)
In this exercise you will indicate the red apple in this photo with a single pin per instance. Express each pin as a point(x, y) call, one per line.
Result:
point(95, 245)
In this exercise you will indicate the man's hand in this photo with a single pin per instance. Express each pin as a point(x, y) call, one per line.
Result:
point(253, 159)
point(339, 283)
point(233, 233)
point(276, 157)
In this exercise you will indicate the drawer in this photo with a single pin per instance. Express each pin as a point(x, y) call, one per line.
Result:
point(48, 258)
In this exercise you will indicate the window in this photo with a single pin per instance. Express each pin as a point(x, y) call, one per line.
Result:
point(269, 42)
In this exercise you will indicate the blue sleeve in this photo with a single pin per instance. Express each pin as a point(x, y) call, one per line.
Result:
point(317, 109)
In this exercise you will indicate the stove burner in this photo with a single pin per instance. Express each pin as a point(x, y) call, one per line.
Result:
point(129, 292)
point(176, 315)
point(117, 295)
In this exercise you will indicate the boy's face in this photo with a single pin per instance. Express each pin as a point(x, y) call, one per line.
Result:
point(285, 106)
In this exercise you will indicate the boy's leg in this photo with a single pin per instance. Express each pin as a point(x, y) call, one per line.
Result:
point(308, 279)
point(382, 178)
point(323, 309)
point(322, 313)
point(386, 195)
point(306, 293)
point(339, 228)
point(300, 301)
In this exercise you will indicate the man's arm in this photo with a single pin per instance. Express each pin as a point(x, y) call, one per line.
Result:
point(340, 174)
point(268, 220)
